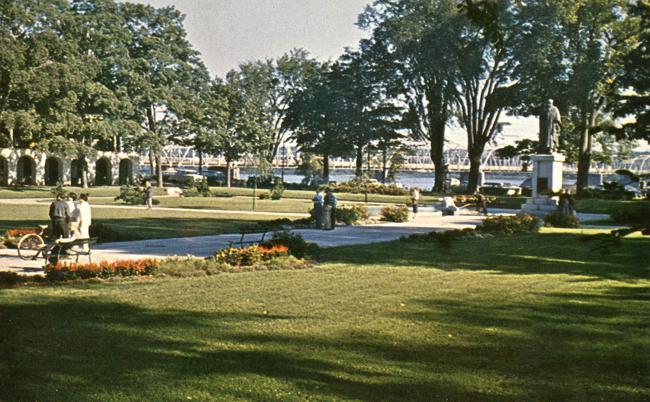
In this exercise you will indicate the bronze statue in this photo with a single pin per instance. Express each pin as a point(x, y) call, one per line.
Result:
point(550, 123)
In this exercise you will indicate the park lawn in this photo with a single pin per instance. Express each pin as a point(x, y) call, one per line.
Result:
point(534, 317)
point(131, 223)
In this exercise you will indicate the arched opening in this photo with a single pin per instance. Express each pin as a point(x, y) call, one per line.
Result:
point(126, 172)
point(53, 171)
point(4, 172)
point(26, 171)
point(76, 172)
point(103, 175)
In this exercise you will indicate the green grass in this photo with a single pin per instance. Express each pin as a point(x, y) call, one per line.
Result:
point(135, 224)
point(535, 317)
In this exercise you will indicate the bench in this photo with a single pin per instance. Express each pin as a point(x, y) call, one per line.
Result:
point(75, 247)
point(243, 242)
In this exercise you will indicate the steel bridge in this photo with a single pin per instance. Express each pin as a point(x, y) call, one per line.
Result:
point(456, 158)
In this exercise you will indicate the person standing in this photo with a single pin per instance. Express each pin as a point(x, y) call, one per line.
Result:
point(148, 194)
point(318, 208)
point(415, 197)
point(481, 203)
point(59, 218)
point(85, 216)
point(73, 226)
point(330, 207)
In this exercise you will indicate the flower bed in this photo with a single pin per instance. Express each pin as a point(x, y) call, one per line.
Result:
point(250, 255)
point(12, 236)
point(65, 270)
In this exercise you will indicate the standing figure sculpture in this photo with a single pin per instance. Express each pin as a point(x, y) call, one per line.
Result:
point(550, 123)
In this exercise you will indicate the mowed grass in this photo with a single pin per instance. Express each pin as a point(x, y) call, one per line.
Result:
point(139, 223)
point(535, 317)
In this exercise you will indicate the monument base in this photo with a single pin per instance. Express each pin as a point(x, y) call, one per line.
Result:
point(540, 206)
point(547, 180)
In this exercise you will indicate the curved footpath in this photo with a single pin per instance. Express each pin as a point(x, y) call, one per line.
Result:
point(204, 246)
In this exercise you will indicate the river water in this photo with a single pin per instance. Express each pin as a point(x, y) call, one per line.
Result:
point(423, 180)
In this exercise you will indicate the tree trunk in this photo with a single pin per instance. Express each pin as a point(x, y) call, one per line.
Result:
point(358, 170)
point(474, 169)
point(437, 140)
point(200, 162)
point(159, 177)
point(384, 165)
point(152, 163)
point(584, 160)
point(228, 171)
point(326, 168)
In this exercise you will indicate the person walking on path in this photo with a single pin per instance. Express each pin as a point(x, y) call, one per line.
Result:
point(330, 210)
point(318, 208)
point(481, 203)
point(148, 194)
point(59, 218)
point(73, 207)
point(415, 197)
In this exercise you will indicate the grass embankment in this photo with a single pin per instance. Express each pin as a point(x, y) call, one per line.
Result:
point(535, 317)
point(136, 224)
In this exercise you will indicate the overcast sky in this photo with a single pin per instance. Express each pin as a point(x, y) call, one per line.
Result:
point(230, 32)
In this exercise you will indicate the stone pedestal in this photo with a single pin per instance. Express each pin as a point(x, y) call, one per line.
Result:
point(547, 178)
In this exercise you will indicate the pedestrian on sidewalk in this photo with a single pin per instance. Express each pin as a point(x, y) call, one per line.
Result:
point(59, 218)
point(318, 208)
point(148, 194)
point(415, 197)
point(73, 225)
point(330, 210)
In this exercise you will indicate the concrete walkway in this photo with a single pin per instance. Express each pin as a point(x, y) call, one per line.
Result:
point(204, 246)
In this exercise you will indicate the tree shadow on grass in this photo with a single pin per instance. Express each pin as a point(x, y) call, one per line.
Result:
point(522, 255)
point(586, 346)
point(71, 349)
point(85, 349)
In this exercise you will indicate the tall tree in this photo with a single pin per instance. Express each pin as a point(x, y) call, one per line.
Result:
point(632, 90)
point(573, 62)
point(162, 70)
point(314, 118)
point(415, 42)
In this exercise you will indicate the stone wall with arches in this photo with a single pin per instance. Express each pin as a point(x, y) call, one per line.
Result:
point(30, 167)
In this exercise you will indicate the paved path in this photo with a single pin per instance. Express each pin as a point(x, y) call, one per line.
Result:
point(204, 246)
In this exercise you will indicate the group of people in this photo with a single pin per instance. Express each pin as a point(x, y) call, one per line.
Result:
point(325, 209)
point(70, 217)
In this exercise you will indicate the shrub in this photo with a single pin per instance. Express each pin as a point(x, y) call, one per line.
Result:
point(362, 186)
point(131, 195)
point(295, 243)
point(65, 271)
point(638, 213)
point(558, 220)
point(395, 214)
point(352, 214)
point(608, 191)
point(510, 224)
point(249, 256)
point(193, 267)
point(264, 196)
point(199, 188)
point(277, 191)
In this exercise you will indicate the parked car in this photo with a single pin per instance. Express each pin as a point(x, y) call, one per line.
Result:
point(497, 188)
point(214, 177)
point(181, 176)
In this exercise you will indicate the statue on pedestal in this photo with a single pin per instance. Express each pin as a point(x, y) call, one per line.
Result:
point(550, 123)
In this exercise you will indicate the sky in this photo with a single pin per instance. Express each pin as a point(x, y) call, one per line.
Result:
point(231, 32)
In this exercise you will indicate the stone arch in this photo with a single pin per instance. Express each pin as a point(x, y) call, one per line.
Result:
point(4, 171)
point(103, 172)
point(76, 172)
point(26, 170)
point(126, 172)
point(53, 171)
